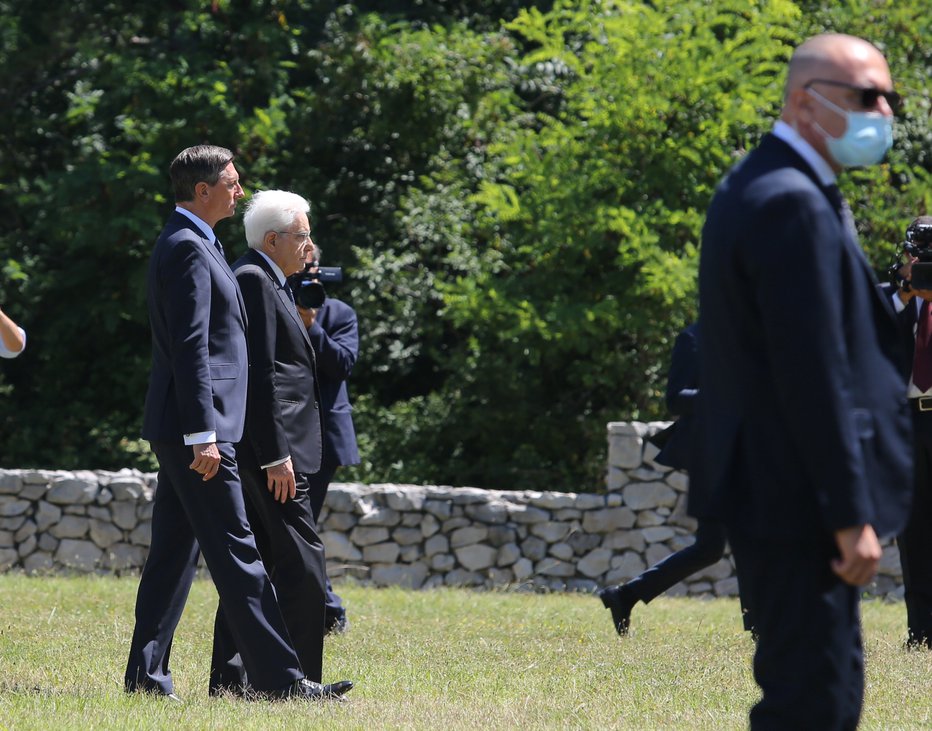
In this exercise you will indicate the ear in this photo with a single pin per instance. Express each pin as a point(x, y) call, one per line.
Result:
point(269, 241)
point(803, 106)
point(201, 190)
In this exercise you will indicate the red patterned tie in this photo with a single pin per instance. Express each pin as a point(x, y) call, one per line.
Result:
point(922, 358)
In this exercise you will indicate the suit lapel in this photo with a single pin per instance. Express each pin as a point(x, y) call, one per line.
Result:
point(283, 297)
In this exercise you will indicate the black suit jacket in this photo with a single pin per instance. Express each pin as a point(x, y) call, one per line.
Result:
point(803, 423)
point(335, 338)
point(282, 417)
point(199, 363)
point(682, 389)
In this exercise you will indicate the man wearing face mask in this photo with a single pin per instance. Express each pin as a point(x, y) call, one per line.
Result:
point(804, 432)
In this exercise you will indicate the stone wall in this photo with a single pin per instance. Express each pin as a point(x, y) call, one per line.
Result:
point(416, 536)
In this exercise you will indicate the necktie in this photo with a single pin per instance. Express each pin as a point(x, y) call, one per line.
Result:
point(922, 357)
point(290, 294)
point(219, 247)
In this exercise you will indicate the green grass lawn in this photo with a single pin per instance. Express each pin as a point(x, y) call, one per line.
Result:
point(440, 659)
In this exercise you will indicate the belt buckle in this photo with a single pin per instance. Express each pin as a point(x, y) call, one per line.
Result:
point(925, 403)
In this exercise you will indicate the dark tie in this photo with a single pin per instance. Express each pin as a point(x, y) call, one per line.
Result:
point(219, 248)
point(290, 294)
point(922, 358)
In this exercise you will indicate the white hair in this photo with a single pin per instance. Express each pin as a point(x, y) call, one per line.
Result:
point(271, 210)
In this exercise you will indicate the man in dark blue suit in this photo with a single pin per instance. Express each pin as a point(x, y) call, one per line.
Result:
point(283, 436)
point(709, 546)
point(195, 408)
point(804, 431)
point(334, 334)
point(913, 303)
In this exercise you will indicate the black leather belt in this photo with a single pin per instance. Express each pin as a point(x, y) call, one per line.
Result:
point(923, 403)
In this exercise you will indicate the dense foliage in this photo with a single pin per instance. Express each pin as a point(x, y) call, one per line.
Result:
point(515, 189)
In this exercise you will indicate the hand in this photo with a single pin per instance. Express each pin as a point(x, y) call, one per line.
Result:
point(860, 554)
point(281, 481)
point(206, 460)
point(307, 316)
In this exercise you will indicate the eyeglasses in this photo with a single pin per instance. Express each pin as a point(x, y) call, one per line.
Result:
point(302, 235)
point(869, 96)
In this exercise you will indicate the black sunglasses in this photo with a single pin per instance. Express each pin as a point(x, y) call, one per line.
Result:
point(868, 96)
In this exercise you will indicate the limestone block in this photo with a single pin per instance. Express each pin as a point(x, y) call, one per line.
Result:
point(41, 477)
point(616, 478)
point(442, 562)
point(9, 557)
point(337, 546)
point(409, 499)
point(27, 546)
point(11, 482)
point(124, 514)
point(468, 535)
point(72, 490)
point(550, 531)
point(499, 578)
point(141, 535)
point(468, 495)
point(105, 497)
point(625, 450)
point(48, 542)
point(410, 554)
point(384, 553)
point(525, 514)
point(339, 521)
point(563, 551)
point(645, 474)
point(523, 568)
point(630, 564)
point(380, 516)
point(410, 576)
point(11, 507)
point(441, 509)
point(582, 543)
point(499, 535)
point(436, 544)
point(678, 481)
point(6, 539)
point(407, 536)
point(533, 548)
point(13, 524)
point(144, 510)
point(433, 581)
point(409, 520)
point(567, 515)
point(608, 520)
point(590, 501)
point(657, 534)
point(508, 554)
point(625, 539)
point(554, 567)
point(79, 555)
point(647, 495)
point(463, 577)
point(455, 523)
point(613, 500)
point(38, 563)
point(366, 536)
point(33, 492)
point(127, 488)
point(105, 534)
point(554, 500)
point(595, 563)
point(70, 526)
point(721, 569)
point(429, 525)
point(124, 557)
point(656, 552)
point(649, 519)
point(46, 515)
point(27, 529)
point(494, 512)
point(476, 557)
point(342, 497)
point(99, 512)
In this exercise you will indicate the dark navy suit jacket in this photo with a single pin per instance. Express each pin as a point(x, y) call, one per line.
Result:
point(283, 417)
point(682, 385)
point(335, 337)
point(803, 423)
point(199, 362)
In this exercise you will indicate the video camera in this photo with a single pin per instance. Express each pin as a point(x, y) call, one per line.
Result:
point(918, 246)
point(308, 287)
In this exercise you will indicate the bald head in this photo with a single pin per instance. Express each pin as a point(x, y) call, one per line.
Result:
point(830, 56)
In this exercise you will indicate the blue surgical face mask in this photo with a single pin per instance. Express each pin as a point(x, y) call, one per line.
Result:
point(866, 139)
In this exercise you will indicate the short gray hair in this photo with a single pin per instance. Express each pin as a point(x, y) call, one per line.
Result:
point(271, 210)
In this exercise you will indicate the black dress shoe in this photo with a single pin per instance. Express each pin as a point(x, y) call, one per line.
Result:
point(621, 600)
point(308, 690)
point(337, 626)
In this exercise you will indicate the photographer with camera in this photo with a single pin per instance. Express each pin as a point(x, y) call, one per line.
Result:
point(332, 328)
point(12, 337)
point(911, 292)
